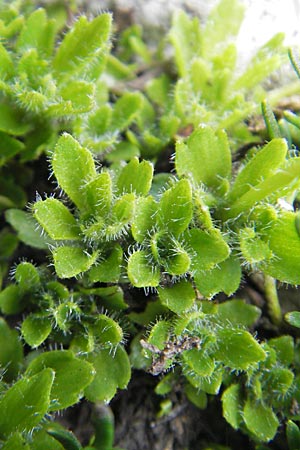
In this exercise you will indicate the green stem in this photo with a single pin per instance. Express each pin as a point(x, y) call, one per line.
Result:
point(272, 300)
point(103, 422)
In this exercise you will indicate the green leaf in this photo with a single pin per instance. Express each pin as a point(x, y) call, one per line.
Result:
point(205, 157)
point(11, 300)
point(178, 297)
point(107, 331)
point(27, 276)
point(26, 227)
point(11, 351)
point(198, 362)
point(159, 334)
point(24, 405)
point(284, 242)
point(261, 166)
point(238, 349)
point(293, 435)
point(35, 329)
point(80, 94)
point(225, 277)
point(293, 318)
point(198, 398)
point(37, 32)
point(122, 214)
point(10, 147)
point(43, 440)
point(210, 385)
point(71, 261)
point(186, 38)
point(112, 372)
point(11, 121)
point(136, 177)
point(65, 437)
point(16, 442)
point(82, 45)
point(206, 248)
point(109, 269)
point(253, 249)
point(7, 65)
point(56, 219)
point(99, 194)
point(73, 167)
point(125, 110)
point(144, 218)
point(277, 380)
point(237, 313)
point(284, 347)
point(260, 420)
point(176, 208)
point(281, 183)
point(141, 272)
point(72, 376)
point(233, 406)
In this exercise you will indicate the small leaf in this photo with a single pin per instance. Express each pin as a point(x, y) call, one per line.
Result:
point(26, 227)
point(72, 376)
point(293, 318)
point(293, 435)
point(284, 242)
point(159, 334)
point(37, 33)
point(197, 361)
point(71, 261)
point(205, 157)
point(225, 277)
point(11, 122)
point(238, 349)
point(253, 248)
point(125, 110)
point(24, 405)
point(11, 300)
point(65, 437)
point(35, 329)
point(284, 347)
point(278, 379)
point(80, 94)
point(122, 214)
point(73, 167)
point(112, 372)
point(260, 420)
point(179, 297)
point(233, 405)
point(144, 218)
point(136, 177)
point(109, 269)
point(56, 219)
point(107, 331)
point(27, 276)
point(198, 398)
point(82, 45)
point(210, 385)
point(206, 248)
point(11, 351)
point(263, 164)
point(176, 208)
point(16, 442)
point(140, 272)
point(99, 194)
point(237, 313)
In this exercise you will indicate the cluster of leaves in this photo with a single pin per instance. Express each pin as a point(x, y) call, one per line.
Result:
point(185, 235)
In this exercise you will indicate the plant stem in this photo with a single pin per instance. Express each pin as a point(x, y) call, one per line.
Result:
point(272, 300)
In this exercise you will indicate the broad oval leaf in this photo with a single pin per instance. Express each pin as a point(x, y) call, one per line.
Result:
point(237, 349)
point(136, 177)
point(141, 272)
point(112, 372)
point(260, 420)
point(71, 261)
point(179, 297)
point(206, 157)
point(24, 405)
point(72, 376)
point(35, 329)
point(56, 219)
point(232, 404)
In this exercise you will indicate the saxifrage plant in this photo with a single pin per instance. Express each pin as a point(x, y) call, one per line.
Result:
point(185, 235)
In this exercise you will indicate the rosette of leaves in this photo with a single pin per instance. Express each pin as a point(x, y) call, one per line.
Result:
point(210, 346)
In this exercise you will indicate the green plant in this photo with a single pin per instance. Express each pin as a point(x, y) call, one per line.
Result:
point(184, 235)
